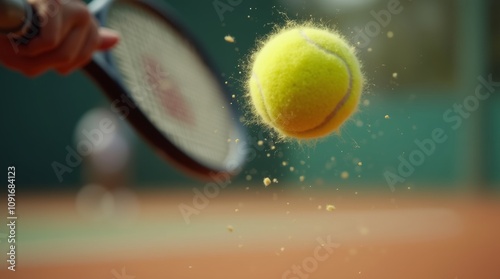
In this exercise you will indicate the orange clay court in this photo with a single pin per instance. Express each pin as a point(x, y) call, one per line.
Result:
point(369, 236)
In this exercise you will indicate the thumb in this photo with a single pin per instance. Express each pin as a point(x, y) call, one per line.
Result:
point(107, 38)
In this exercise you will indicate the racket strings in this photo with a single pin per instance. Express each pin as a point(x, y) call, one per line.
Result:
point(171, 85)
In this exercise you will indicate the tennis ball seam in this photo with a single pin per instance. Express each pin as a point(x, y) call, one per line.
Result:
point(262, 97)
point(346, 96)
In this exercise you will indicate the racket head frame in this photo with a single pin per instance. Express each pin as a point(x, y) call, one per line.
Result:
point(103, 71)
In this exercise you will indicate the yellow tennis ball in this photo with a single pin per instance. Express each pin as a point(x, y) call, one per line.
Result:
point(305, 82)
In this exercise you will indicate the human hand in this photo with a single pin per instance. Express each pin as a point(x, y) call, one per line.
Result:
point(68, 37)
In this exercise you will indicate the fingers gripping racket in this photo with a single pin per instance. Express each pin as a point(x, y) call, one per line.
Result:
point(161, 82)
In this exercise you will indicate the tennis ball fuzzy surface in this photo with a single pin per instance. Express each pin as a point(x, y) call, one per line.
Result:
point(305, 82)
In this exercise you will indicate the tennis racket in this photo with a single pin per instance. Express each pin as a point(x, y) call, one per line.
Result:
point(161, 81)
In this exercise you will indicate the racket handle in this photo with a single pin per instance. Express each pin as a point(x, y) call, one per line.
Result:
point(18, 18)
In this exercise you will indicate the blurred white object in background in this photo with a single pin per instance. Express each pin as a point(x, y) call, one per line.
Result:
point(106, 167)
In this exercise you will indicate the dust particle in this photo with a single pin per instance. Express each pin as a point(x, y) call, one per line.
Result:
point(302, 178)
point(260, 143)
point(267, 181)
point(330, 207)
point(387, 116)
point(229, 39)
point(394, 75)
point(390, 34)
point(344, 175)
point(230, 228)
